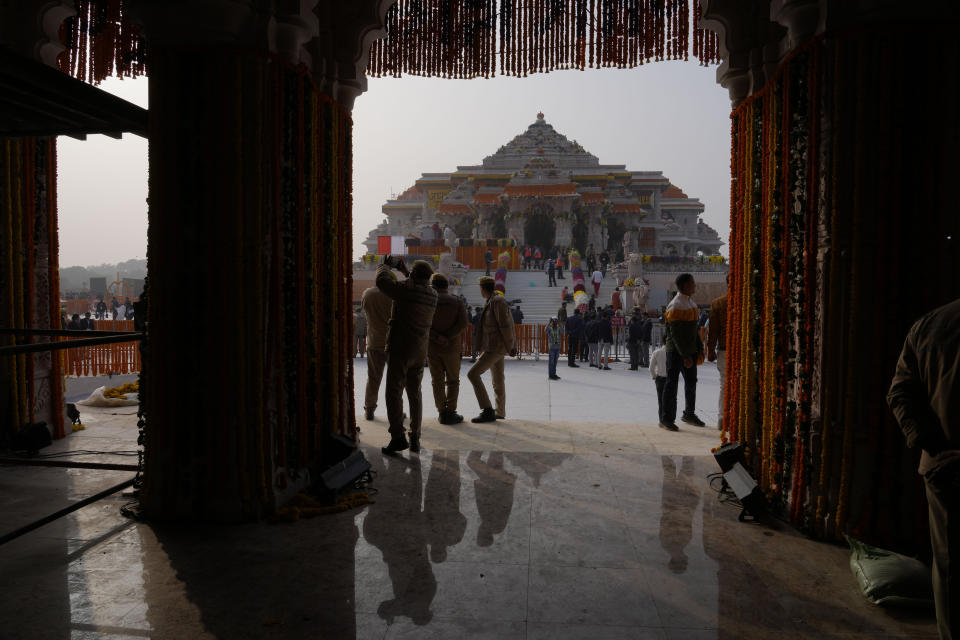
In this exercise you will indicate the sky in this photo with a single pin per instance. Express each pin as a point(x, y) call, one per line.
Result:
point(664, 116)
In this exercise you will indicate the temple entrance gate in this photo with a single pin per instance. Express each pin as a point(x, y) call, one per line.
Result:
point(539, 230)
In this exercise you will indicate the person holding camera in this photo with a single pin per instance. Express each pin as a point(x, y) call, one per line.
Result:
point(414, 303)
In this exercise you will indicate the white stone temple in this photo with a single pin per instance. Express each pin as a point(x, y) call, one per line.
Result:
point(545, 190)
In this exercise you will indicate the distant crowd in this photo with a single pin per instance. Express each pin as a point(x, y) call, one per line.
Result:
point(100, 310)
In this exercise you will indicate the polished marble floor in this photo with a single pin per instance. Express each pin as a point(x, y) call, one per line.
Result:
point(519, 529)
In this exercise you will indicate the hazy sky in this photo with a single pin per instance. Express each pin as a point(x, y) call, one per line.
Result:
point(665, 116)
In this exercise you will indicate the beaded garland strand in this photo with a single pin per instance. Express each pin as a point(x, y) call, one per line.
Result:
point(29, 244)
point(460, 37)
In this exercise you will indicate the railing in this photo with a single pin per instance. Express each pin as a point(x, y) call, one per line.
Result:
point(532, 340)
point(120, 357)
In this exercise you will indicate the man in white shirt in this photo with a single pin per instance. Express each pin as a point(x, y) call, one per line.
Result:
point(658, 371)
point(596, 279)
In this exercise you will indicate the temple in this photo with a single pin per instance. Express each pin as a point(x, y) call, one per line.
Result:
point(546, 190)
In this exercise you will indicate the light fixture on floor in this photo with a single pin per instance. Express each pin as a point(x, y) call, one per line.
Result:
point(738, 479)
point(344, 465)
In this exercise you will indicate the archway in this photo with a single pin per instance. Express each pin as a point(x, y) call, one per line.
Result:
point(539, 230)
point(580, 232)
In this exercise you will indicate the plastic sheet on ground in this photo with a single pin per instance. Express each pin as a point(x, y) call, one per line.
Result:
point(97, 399)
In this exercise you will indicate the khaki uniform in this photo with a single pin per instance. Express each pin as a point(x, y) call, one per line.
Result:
point(497, 338)
point(717, 340)
point(925, 398)
point(413, 308)
point(449, 321)
point(376, 307)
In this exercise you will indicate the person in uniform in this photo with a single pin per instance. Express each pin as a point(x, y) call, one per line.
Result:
point(376, 307)
point(925, 398)
point(497, 339)
point(443, 352)
point(414, 303)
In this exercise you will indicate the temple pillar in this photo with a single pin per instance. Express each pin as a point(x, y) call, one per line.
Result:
point(249, 203)
point(31, 385)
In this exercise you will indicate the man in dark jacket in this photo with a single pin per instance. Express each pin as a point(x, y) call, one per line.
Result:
point(574, 327)
point(414, 303)
point(646, 333)
point(488, 259)
point(605, 330)
point(592, 333)
point(634, 331)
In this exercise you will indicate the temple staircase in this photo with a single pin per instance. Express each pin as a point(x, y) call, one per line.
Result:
point(537, 301)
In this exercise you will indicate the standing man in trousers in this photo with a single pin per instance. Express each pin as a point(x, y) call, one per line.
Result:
point(376, 306)
point(684, 353)
point(497, 339)
point(717, 343)
point(443, 353)
point(574, 327)
point(414, 303)
point(925, 398)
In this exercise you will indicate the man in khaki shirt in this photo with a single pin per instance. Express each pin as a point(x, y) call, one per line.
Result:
point(717, 343)
point(414, 303)
point(376, 306)
point(443, 353)
point(925, 398)
point(497, 339)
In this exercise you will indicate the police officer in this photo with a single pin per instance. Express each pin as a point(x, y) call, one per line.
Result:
point(443, 352)
point(497, 339)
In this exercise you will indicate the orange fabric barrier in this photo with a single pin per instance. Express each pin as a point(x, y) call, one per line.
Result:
point(473, 256)
point(103, 359)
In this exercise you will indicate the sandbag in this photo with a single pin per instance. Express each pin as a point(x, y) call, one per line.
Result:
point(97, 399)
point(887, 578)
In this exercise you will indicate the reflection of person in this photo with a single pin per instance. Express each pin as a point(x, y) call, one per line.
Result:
point(497, 339)
point(376, 307)
point(678, 503)
point(414, 303)
point(925, 398)
point(443, 352)
point(716, 343)
point(403, 542)
point(684, 350)
point(443, 523)
point(493, 489)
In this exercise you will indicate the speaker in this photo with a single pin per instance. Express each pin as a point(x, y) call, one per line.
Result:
point(737, 477)
point(344, 464)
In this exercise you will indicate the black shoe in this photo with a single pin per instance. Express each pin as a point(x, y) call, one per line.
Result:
point(606, 368)
point(633, 368)
point(486, 415)
point(368, 414)
point(574, 365)
point(669, 426)
point(414, 444)
point(692, 419)
point(554, 377)
point(454, 417)
point(396, 445)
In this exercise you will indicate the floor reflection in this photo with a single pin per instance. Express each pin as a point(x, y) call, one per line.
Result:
point(679, 500)
point(398, 528)
point(493, 490)
point(444, 523)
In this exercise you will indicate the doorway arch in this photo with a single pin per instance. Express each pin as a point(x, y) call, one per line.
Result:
point(539, 230)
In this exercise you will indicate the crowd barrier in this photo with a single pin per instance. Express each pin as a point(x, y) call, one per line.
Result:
point(532, 340)
point(121, 357)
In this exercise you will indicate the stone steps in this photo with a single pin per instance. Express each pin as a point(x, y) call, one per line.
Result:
point(539, 302)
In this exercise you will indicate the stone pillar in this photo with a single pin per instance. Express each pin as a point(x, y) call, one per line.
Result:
point(249, 207)
point(31, 385)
